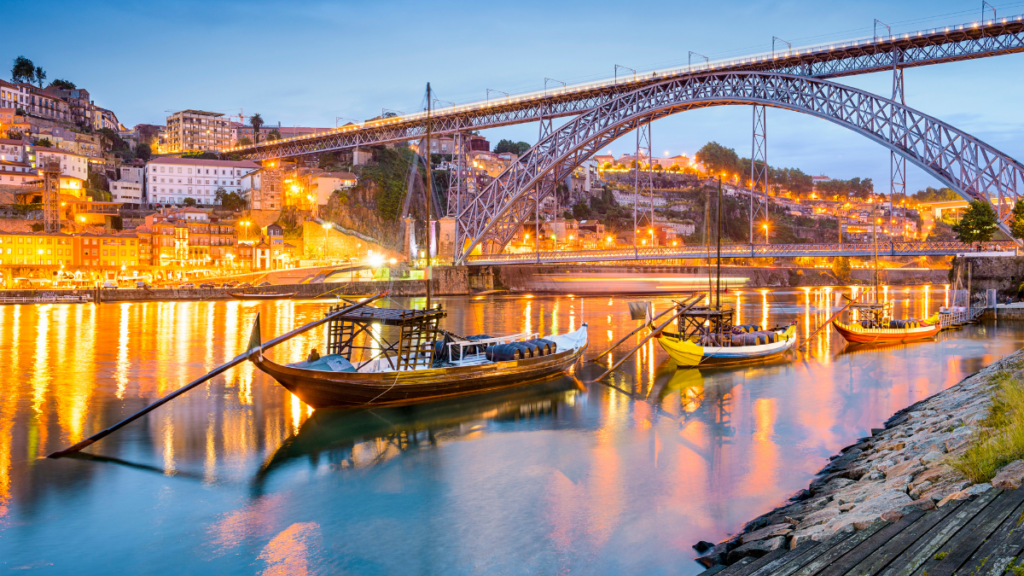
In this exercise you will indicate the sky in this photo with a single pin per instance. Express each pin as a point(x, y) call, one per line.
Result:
point(321, 63)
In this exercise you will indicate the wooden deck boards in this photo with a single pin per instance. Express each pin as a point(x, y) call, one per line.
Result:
point(981, 536)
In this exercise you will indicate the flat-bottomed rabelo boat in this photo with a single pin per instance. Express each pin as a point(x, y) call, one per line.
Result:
point(707, 337)
point(261, 295)
point(387, 356)
point(874, 325)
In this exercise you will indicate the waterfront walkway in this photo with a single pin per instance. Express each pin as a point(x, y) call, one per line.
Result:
point(982, 535)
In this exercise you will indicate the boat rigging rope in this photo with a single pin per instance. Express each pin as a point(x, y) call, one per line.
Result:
point(397, 374)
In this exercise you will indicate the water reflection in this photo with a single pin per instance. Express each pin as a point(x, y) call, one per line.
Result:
point(552, 477)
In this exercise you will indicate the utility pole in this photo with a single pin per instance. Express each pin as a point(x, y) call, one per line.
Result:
point(718, 258)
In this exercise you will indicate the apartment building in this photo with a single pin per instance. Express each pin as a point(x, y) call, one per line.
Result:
point(14, 168)
point(72, 166)
point(197, 130)
point(263, 189)
point(68, 250)
point(171, 180)
point(38, 102)
point(326, 183)
point(126, 192)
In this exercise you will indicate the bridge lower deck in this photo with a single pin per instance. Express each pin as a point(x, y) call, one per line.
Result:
point(982, 535)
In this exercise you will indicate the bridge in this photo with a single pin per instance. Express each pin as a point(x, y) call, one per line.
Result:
point(487, 219)
point(824, 250)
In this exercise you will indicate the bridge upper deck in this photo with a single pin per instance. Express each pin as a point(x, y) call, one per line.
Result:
point(919, 48)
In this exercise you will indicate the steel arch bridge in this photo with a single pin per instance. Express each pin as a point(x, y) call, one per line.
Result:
point(972, 168)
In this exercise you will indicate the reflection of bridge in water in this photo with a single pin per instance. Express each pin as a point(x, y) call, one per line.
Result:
point(738, 251)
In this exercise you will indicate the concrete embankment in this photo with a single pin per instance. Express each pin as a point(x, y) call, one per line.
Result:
point(445, 282)
point(899, 469)
point(582, 279)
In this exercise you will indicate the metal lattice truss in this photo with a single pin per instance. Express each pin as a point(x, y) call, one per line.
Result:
point(967, 42)
point(970, 167)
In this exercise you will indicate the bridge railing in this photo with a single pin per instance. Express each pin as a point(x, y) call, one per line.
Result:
point(937, 248)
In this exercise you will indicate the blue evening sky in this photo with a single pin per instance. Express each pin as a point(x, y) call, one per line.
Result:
point(307, 63)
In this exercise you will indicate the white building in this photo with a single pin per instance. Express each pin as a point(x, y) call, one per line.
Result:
point(328, 182)
point(126, 192)
point(171, 180)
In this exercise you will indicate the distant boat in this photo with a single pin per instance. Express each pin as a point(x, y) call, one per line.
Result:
point(876, 327)
point(386, 356)
point(261, 295)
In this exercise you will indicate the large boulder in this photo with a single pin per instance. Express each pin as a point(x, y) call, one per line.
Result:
point(756, 549)
point(768, 532)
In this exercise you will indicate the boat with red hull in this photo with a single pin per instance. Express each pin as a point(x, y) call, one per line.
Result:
point(857, 333)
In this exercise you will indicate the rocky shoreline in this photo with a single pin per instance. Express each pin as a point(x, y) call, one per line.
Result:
point(900, 468)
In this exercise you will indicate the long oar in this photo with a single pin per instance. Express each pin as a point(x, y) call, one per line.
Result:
point(642, 326)
point(653, 333)
point(215, 372)
point(829, 321)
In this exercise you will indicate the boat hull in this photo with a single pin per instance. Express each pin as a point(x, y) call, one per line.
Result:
point(258, 296)
point(859, 335)
point(321, 389)
point(688, 354)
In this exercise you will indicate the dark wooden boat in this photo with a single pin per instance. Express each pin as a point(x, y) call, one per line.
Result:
point(261, 295)
point(405, 368)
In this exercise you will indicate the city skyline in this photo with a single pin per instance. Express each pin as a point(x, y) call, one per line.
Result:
point(571, 43)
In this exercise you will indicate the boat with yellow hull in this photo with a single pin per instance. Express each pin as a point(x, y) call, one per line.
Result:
point(687, 352)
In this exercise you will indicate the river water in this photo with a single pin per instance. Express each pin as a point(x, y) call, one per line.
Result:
point(240, 477)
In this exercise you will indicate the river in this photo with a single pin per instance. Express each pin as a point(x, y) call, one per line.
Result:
point(240, 477)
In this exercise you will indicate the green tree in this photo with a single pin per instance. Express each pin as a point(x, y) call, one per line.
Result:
point(717, 158)
point(841, 268)
point(143, 151)
point(189, 201)
point(978, 223)
point(63, 84)
point(23, 70)
point(517, 148)
point(1017, 220)
point(273, 135)
point(40, 75)
point(245, 141)
point(44, 142)
point(229, 200)
point(200, 155)
point(256, 121)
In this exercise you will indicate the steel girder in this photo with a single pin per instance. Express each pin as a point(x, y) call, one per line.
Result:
point(1005, 36)
point(970, 167)
point(824, 250)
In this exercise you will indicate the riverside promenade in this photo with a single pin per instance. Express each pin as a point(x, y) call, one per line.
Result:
point(893, 503)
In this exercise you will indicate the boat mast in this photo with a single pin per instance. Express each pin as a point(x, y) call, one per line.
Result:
point(718, 259)
point(875, 228)
point(429, 194)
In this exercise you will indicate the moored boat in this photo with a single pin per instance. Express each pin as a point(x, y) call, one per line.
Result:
point(381, 356)
point(261, 295)
point(876, 327)
point(707, 338)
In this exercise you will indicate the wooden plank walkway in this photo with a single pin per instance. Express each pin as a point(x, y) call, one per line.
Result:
point(980, 536)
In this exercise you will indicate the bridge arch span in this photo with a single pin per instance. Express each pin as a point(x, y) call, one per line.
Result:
point(972, 168)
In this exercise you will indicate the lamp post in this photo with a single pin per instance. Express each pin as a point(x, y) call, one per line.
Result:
point(327, 231)
point(765, 226)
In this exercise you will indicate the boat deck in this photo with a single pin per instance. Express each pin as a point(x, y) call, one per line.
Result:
point(982, 535)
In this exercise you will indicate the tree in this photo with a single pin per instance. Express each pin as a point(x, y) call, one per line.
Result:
point(143, 151)
point(256, 121)
point(517, 148)
point(14, 134)
point(978, 223)
point(1017, 220)
point(273, 135)
point(230, 200)
point(245, 141)
point(39, 76)
point(23, 70)
point(200, 155)
point(63, 84)
point(841, 268)
point(189, 201)
point(44, 142)
point(717, 158)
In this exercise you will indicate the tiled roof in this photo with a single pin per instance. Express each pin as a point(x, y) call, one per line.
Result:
point(198, 162)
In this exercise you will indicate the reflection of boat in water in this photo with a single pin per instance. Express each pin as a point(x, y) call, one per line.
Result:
point(404, 361)
point(337, 431)
point(877, 326)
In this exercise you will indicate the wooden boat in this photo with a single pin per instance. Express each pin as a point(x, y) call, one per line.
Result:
point(876, 327)
point(404, 362)
point(708, 338)
point(261, 295)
